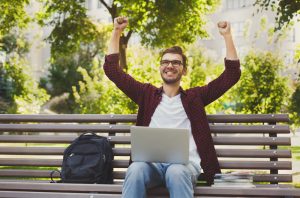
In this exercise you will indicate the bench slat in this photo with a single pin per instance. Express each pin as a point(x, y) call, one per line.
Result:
point(284, 165)
point(256, 178)
point(50, 151)
point(121, 175)
point(250, 129)
point(102, 188)
point(252, 140)
point(64, 139)
point(238, 118)
point(49, 162)
point(67, 128)
point(26, 194)
point(253, 153)
point(80, 118)
point(248, 118)
point(126, 139)
point(71, 128)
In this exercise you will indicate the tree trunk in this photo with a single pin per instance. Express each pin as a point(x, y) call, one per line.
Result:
point(123, 46)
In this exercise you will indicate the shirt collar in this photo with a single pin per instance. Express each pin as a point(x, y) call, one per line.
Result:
point(159, 91)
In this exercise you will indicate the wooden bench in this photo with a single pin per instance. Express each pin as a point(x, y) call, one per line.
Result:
point(32, 146)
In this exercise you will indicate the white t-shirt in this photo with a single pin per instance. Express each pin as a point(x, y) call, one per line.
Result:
point(171, 114)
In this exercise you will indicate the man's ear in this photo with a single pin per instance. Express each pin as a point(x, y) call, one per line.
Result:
point(184, 71)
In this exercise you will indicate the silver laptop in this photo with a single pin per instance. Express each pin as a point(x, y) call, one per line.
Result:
point(159, 145)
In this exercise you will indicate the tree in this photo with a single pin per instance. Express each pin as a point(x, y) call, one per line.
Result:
point(286, 10)
point(295, 106)
point(261, 88)
point(20, 93)
point(13, 15)
point(63, 71)
point(71, 25)
point(97, 94)
point(159, 23)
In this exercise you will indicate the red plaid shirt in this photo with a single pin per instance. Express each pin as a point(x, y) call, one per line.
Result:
point(194, 100)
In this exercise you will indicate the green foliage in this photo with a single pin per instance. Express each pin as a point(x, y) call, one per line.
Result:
point(261, 89)
point(144, 65)
point(97, 94)
point(295, 106)
point(267, 31)
point(286, 11)
point(297, 54)
point(63, 74)
point(165, 22)
point(63, 69)
point(152, 20)
point(20, 92)
point(72, 27)
point(13, 15)
point(202, 70)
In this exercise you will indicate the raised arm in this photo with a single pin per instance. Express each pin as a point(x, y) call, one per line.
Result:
point(231, 74)
point(132, 88)
point(120, 23)
point(225, 31)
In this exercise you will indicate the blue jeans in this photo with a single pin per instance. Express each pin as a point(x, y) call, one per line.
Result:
point(179, 179)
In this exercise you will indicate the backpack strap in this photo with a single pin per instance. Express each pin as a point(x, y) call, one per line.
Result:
point(51, 176)
point(87, 135)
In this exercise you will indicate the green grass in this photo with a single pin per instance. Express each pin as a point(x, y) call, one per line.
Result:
point(295, 151)
point(29, 168)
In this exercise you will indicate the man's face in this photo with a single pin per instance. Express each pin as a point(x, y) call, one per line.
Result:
point(171, 68)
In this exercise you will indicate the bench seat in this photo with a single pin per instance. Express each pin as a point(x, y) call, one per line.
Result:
point(33, 145)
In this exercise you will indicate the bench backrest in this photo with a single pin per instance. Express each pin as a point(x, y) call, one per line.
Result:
point(32, 145)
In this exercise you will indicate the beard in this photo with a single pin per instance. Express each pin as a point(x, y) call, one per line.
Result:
point(171, 80)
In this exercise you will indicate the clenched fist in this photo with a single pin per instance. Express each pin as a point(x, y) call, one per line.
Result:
point(224, 28)
point(120, 23)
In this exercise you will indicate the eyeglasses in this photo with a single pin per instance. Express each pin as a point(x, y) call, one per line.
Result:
point(175, 63)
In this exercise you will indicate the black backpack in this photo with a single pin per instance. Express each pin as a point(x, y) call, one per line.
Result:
point(88, 159)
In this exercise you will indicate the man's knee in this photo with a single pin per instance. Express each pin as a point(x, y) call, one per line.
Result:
point(177, 172)
point(137, 170)
point(179, 181)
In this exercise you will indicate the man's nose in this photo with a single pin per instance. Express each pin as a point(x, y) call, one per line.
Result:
point(170, 64)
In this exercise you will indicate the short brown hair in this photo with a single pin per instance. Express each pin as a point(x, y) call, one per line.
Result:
point(176, 50)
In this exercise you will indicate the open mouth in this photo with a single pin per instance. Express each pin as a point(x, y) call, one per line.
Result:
point(169, 72)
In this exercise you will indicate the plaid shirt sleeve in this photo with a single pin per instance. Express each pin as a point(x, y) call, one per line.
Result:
point(132, 88)
point(224, 82)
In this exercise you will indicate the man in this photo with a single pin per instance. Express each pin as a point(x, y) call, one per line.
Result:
point(171, 106)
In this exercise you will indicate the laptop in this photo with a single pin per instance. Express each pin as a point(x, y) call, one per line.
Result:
point(168, 145)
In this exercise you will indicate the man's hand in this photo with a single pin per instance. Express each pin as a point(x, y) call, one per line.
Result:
point(120, 23)
point(224, 28)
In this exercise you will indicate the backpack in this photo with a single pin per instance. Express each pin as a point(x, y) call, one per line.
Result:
point(88, 159)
